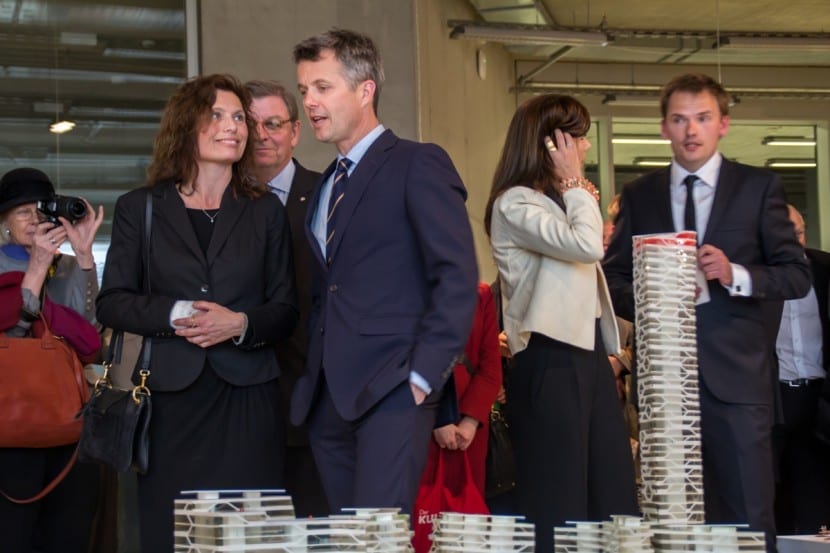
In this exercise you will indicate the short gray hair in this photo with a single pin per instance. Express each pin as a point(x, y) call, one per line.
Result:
point(357, 52)
point(263, 89)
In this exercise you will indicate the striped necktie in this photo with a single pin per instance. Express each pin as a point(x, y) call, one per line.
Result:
point(338, 191)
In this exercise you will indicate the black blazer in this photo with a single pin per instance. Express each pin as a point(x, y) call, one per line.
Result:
point(248, 268)
point(400, 290)
point(820, 266)
point(749, 223)
point(291, 353)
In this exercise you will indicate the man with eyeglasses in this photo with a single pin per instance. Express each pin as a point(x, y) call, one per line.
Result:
point(278, 133)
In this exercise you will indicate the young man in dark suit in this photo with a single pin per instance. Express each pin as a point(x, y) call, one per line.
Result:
point(278, 133)
point(802, 502)
point(751, 261)
point(394, 283)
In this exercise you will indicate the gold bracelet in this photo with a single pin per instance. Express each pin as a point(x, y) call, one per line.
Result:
point(580, 182)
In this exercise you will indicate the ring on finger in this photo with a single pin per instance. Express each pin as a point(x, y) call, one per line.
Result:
point(552, 148)
point(52, 240)
point(192, 322)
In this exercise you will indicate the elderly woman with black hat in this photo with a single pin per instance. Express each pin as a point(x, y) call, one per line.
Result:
point(34, 274)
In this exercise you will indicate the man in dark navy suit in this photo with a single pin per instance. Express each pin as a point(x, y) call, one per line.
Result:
point(802, 501)
point(278, 133)
point(751, 261)
point(394, 283)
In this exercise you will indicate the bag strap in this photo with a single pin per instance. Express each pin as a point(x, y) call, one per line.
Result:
point(147, 342)
point(50, 486)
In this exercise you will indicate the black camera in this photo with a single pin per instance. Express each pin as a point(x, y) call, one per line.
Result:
point(68, 207)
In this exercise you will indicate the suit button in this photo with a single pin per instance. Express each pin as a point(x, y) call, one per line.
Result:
point(322, 330)
point(333, 288)
point(204, 288)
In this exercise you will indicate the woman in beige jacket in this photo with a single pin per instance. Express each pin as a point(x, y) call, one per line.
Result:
point(572, 456)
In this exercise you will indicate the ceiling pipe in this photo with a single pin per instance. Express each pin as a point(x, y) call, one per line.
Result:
point(602, 89)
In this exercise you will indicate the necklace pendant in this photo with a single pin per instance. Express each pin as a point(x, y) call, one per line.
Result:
point(210, 217)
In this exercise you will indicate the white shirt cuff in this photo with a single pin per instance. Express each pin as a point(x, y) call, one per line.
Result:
point(181, 309)
point(741, 282)
point(419, 381)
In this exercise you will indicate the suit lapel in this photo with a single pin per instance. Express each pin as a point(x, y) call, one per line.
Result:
point(359, 180)
point(171, 208)
point(301, 190)
point(231, 210)
point(662, 195)
point(723, 197)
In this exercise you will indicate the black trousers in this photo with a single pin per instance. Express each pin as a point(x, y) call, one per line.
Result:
point(802, 502)
point(571, 447)
point(61, 522)
point(210, 436)
point(302, 482)
point(738, 484)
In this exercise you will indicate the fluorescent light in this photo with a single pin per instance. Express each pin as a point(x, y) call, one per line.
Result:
point(787, 141)
point(652, 161)
point(117, 113)
point(79, 39)
point(135, 53)
point(776, 42)
point(791, 163)
point(634, 139)
point(538, 34)
point(61, 127)
point(634, 100)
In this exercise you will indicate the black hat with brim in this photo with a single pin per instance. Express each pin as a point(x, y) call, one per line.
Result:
point(24, 186)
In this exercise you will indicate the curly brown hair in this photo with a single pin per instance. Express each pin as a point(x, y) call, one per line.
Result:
point(175, 149)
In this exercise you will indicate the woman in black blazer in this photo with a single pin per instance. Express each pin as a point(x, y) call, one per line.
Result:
point(220, 292)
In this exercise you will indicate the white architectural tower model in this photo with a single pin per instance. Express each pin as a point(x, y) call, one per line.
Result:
point(664, 295)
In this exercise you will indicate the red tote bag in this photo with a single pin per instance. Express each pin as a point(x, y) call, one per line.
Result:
point(452, 489)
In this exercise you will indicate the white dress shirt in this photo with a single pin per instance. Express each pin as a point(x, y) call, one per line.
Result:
point(704, 196)
point(798, 346)
point(281, 183)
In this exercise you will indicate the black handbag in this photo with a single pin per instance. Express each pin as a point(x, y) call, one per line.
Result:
point(500, 470)
point(116, 429)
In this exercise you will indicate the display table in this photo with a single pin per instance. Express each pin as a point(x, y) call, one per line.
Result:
point(803, 544)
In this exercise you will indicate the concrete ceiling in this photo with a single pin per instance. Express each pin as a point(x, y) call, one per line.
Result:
point(645, 37)
point(109, 65)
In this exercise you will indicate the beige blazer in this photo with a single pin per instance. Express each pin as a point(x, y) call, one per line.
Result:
point(548, 262)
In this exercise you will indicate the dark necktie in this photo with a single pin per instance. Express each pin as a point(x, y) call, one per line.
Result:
point(689, 219)
point(338, 191)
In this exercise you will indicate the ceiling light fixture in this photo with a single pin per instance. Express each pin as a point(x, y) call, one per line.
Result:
point(633, 100)
point(775, 42)
point(639, 139)
point(78, 39)
point(791, 163)
point(539, 34)
point(135, 53)
point(787, 141)
point(61, 127)
point(652, 161)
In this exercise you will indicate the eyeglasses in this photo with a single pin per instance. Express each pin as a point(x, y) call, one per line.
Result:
point(27, 214)
point(273, 124)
